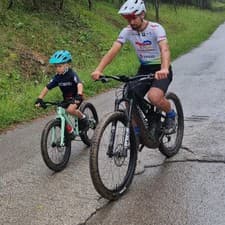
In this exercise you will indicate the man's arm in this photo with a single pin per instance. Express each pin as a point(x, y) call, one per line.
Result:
point(107, 59)
point(165, 60)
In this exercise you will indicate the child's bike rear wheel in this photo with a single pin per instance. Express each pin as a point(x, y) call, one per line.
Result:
point(54, 155)
point(89, 110)
point(170, 144)
point(112, 171)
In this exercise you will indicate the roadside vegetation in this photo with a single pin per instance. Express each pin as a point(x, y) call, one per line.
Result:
point(28, 37)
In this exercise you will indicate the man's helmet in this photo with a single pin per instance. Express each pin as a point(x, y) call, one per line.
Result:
point(61, 56)
point(132, 7)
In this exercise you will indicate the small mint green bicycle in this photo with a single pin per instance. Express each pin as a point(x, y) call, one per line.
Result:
point(56, 138)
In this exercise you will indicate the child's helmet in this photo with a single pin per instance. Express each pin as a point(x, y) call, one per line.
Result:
point(132, 7)
point(61, 56)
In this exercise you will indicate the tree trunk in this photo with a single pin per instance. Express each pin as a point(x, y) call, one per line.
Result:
point(157, 10)
point(90, 4)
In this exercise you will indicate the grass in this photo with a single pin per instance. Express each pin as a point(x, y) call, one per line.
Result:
point(28, 39)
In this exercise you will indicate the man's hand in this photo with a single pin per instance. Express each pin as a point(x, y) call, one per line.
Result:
point(96, 74)
point(161, 74)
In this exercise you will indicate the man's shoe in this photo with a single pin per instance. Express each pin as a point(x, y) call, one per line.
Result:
point(170, 125)
point(83, 124)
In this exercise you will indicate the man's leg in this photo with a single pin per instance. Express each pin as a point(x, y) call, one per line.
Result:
point(157, 97)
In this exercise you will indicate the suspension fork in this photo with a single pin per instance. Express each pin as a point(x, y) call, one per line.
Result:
point(126, 136)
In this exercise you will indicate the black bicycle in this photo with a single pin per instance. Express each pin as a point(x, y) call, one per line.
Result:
point(59, 132)
point(114, 147)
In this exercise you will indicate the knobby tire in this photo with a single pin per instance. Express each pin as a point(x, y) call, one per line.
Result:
point(171, 151)
point(97, 179)
point(46, 134)
point(85, 136)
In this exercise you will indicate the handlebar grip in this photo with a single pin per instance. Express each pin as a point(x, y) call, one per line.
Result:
point(103, 79)
point(43, 105)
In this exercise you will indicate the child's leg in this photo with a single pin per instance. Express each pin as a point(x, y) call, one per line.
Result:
point(72, 109)
point(83, 119)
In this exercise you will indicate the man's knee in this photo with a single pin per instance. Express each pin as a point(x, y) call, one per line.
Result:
point(156, 96)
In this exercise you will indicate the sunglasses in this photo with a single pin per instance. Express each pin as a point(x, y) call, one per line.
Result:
point(130, 17)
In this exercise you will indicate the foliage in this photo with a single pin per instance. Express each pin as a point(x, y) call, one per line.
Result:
point(28, 39)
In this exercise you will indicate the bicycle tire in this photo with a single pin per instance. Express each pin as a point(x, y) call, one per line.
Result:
point(99, 182)
point(55, 165)
point(90, 111)
point(163, 148)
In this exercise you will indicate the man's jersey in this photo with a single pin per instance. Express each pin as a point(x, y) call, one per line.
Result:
point(145, 42)
point(66, 82)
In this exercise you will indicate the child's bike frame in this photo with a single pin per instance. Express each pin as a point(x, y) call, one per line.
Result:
point(56, 139)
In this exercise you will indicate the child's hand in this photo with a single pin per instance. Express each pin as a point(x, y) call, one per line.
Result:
point(78, 99)
point(39, 103)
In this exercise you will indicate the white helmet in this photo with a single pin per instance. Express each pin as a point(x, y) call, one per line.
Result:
point(132, 7)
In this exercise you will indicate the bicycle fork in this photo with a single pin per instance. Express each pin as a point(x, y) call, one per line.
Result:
point(64, 119)
point(125, 137)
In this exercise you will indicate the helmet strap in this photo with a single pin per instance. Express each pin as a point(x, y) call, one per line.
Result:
point(66, 70)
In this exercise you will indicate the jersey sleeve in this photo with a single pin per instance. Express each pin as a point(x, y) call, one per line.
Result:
point(122, 38)
point(160, 33)
point(53, 83)
point(76, 78)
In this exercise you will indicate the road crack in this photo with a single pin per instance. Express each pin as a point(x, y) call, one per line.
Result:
point(96, 211)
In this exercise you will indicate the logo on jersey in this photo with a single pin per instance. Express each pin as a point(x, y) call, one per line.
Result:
point(146, 45)
point(65, 84)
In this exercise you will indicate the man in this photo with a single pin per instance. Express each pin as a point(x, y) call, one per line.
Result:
point(152, 49)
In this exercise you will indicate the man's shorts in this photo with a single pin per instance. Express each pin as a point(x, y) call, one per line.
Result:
point(163, 84)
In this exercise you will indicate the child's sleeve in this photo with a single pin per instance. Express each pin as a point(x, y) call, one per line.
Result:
point(53, 83)
point(76, 78)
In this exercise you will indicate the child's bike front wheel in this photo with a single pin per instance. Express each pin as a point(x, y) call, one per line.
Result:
point(55, 154)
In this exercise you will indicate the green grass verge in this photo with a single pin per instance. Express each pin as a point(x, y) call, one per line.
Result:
point(88, 35)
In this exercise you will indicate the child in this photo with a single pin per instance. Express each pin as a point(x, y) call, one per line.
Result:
point(70, 85)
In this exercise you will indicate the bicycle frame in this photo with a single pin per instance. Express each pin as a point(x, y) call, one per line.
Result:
point(64, 118)
point(142, 109)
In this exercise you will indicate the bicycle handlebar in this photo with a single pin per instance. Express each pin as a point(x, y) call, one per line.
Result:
point(56, 103)
point(125, 78)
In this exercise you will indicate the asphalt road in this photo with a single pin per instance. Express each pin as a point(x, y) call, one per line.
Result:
point(186, 189)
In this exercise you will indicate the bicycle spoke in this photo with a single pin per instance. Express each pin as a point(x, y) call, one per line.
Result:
point(55, 152)
point(112, 170)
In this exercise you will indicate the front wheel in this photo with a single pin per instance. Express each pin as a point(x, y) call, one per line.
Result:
point(111, 166)
point(89, 110)
point(55, 155)
point(170, 144)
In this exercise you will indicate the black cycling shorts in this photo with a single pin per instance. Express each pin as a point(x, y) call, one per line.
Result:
point(162, 84)
point(67, 101)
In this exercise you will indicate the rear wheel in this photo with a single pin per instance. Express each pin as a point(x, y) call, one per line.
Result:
point(170, 144)
point(89, 110)
point(112, 171)
point(54, 155)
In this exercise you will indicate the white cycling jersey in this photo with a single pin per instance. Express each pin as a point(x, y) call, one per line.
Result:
point(145, 42)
